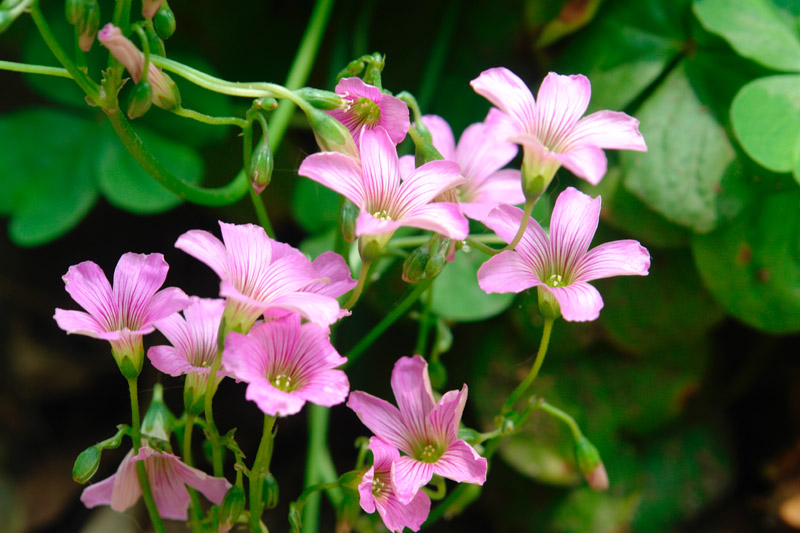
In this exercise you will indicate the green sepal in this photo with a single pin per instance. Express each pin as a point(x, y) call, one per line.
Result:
point(261, 165)
point(86, 464)
point(270, 491)
point(320, 99)
point(141, 99)
point(348, 218)
point(414, 265)
point(232, 505)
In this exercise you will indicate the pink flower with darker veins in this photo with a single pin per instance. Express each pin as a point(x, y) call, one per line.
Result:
point(259, 274)
point(168, 477)
point(560, 264)
point(424, 430)
point(368, 108)
point(377, 491)
point(551, 129)
point(286, 364)
point(125, 313)
point(386, 203)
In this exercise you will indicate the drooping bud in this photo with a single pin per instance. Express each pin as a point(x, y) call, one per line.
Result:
point(156, 43)
point(372, 72)
point(141, 99)
point(158, 420)
point(88, 24)
point(414, 265)
point(320, 99)
point(590, 464)
point(86, 464)
point(164, 21)
point(261, 165)
point(149, 7)
point(331, 135)
point(348, 218)
point(232, 505)
point(548, 305)
point(270, 491)
point(438, 259)
point(424, 151)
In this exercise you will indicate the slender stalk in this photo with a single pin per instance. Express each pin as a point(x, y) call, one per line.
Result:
point(257, 473)
point(211, 427)
point(488, 250)
point(537, 364)
point(526, 216)
point(550, 409)
point(398, 311)
point(35, 69)
point(424, 323)
point(208, 119)
point(362, 280)
point(141, 472)
point(196, 511)
point(261, 213)
point(318, 418)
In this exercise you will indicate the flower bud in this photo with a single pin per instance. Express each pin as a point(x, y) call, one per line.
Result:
point(438, 259)
point(141, 99)
point(590, 464)
point(232, 505)
point(164, 21)
point(194, 393)
point(74, 10)
point(156, 43)
point(149, 7)
point(348, 220)
point(331, 135)
point(548, 305)
point(158, 420)
point(261, 164)
point(321, 99)
point(414, 265)
point(372, 73)
point(86, 464)
point(88, 24)
point(165, 91)
point(349, 482)
point(270, 491)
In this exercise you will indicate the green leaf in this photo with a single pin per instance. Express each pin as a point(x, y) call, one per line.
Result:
point(457, 296)
point(128, 186)
point(47, 169)
point(752, 266)
point(315, 207)
point(766, 120)
point(754, 28)
point(689, 154)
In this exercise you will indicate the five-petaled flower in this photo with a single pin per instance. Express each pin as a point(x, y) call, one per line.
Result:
point(124, 313)
point(551, 129)
point(561, 264)
point(370, 108)
point(424, 430)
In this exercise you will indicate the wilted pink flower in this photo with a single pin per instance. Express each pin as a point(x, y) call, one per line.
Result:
point(552, 131)
point(168, 477)
point(377, 491)
point(481, 153)
point(259, 273)
point(165, 92)
point(426, 431)
point(370, 108)
point(375, 187)
point(286, 364)
point(562, 263)
point(126, 312)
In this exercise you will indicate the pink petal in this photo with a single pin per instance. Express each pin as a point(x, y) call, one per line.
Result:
point(381, 417)
point(169, 360)
point(572, 228)
point(213, 488)
point(100, 493)
point(533, 247)
point(608, 129)
point(383, 453)
point(394, 117)
point(78, 322)
point(164, 303)
point(206, 248)
point(441, 217)
point(562, 101)
point(317, 308)
point(337, 172)
point(412, 391)
point(587, 162)
point(327, 387)
point(506, 272)
point(505, 90)
point(380, 168)
point(442, 134)
point(616, 258)
point(424, 184)
point(579, 301)
point(354, 88)
point(410, 475)
point(444, 418)
point(245, 357)
point(89, 287)
point(461, 463)
point(502, 187)
point(397, 516)
point(126, 490)
point(482, 152)
point(366, 499)
point(366, 224)
point(273, 401)
point(407, 165)
point(332, 266)
point(136, 279)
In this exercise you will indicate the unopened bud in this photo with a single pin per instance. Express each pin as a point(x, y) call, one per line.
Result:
point(349, 482)
point(149, 7)
point(424, 151)
point(165, 91)
point(232, 505)
point(374, 67)
point(74, 10)
point(156, 43)
point(548, 305)
point(270, 491)
point(158, 420)
point(88, 25)
point(438, 259)
point(261, 165)
point(348, 220)
point(415, 263)
point(164, 21)
point(590, 464)
point(86, 464)
point(141, 99)
point(331, 135)
point(321, 99)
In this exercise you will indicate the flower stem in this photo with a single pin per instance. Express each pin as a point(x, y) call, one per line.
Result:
point(319, 467)
point(141, 472)
point(537, 364)
point(208, 119)
point(542, 405)
point(261, 213)
point(211, 428)
point(488, 250)
point(35, 69)
point(259, 471)
point(362, 280)
point(196, 511)
point(526, 216)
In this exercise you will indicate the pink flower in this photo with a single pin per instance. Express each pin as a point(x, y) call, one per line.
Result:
point(562, 263)
point(168, 477)
point(125, 313)
point(377, 491)
point(370, 108)
point(481, 153)
point(286, 364)
point(387, 204)
point(552, 131)
point(426, 431)
point(259, 273)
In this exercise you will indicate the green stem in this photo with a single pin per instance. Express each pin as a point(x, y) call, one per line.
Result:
point(425, 323)
point(488, 250)
point(141, 472)
point(318, 418)
point(542, 405)
point(526, 216)
point(362, 280)
point(35, 69)
point(196, 511)
point(398, 311)
point(81, 78)
point(220, 196)
point(211, 428)
point(537, 364)
point(438, 55)
point(261, 213)
point(259, 471)
point(208, 119)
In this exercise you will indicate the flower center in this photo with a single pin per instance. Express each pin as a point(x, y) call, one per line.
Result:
point(283, 382)
point(365, 111)
point(382, 215)
point(378, 487)
point(429, 453)
point(555, 280)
